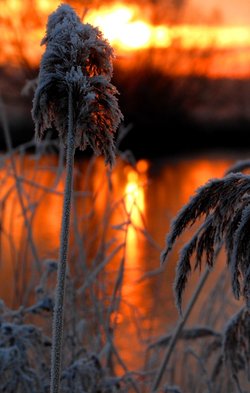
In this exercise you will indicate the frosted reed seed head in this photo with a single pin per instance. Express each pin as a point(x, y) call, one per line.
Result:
point(225, 206)
point(77, 59)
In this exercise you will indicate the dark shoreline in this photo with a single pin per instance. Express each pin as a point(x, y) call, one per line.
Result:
point(168, 116)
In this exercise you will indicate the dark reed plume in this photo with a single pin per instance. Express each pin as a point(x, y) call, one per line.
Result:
point(78, 60)
point(225, 206)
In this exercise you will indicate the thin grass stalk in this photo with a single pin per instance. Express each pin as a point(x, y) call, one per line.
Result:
point(79, 241)
point(57, 333)
point(178, 330)
point(202, 367)
point(19, 187)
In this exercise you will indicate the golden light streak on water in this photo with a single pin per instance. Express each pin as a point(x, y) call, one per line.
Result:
point(134, 197)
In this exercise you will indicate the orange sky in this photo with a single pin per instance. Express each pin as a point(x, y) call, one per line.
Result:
point(235, 12)
point(212, 39)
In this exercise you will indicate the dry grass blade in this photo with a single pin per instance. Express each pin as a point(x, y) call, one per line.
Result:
point(188, 334)
point(177, 332)
point(204, 371)
point(93, 275)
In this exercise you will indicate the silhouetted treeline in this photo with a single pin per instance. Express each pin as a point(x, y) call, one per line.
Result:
point(169, 115)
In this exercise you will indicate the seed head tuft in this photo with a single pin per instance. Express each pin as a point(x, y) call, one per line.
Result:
point(225, 206)
point(78, 60)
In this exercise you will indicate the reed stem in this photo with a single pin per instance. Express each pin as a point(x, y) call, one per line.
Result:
point(57, 333)
point(178, 329)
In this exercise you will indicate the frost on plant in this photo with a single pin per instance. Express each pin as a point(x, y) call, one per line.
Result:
point(77, 59)
point(23, 355)
point(236, 343)
point(225, 205)
point(25, 349)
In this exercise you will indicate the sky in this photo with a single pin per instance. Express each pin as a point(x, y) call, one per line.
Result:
point(230, 11)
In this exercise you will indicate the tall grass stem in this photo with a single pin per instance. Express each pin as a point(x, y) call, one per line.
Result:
point(57, 334)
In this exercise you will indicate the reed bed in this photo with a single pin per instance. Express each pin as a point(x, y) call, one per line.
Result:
point(211, 354)
point(202, 355)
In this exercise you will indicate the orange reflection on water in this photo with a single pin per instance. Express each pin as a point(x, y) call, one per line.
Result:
point(134, 198)
point(198, 175)
point(134, 303)
point(134, 191)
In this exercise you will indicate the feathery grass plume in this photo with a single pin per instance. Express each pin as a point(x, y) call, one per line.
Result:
point(79, 59)
point(74, 95)
point(225, 204)
point(236, 343)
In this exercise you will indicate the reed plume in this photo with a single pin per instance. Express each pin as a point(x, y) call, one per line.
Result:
point(225, 206)
point(77, 59)
point(74, 96)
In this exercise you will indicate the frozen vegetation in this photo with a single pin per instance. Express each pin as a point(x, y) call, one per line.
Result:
point(61, 336)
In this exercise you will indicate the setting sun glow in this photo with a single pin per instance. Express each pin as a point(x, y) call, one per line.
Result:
point(129, 28)
point(125, 28)
point(120, 27)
